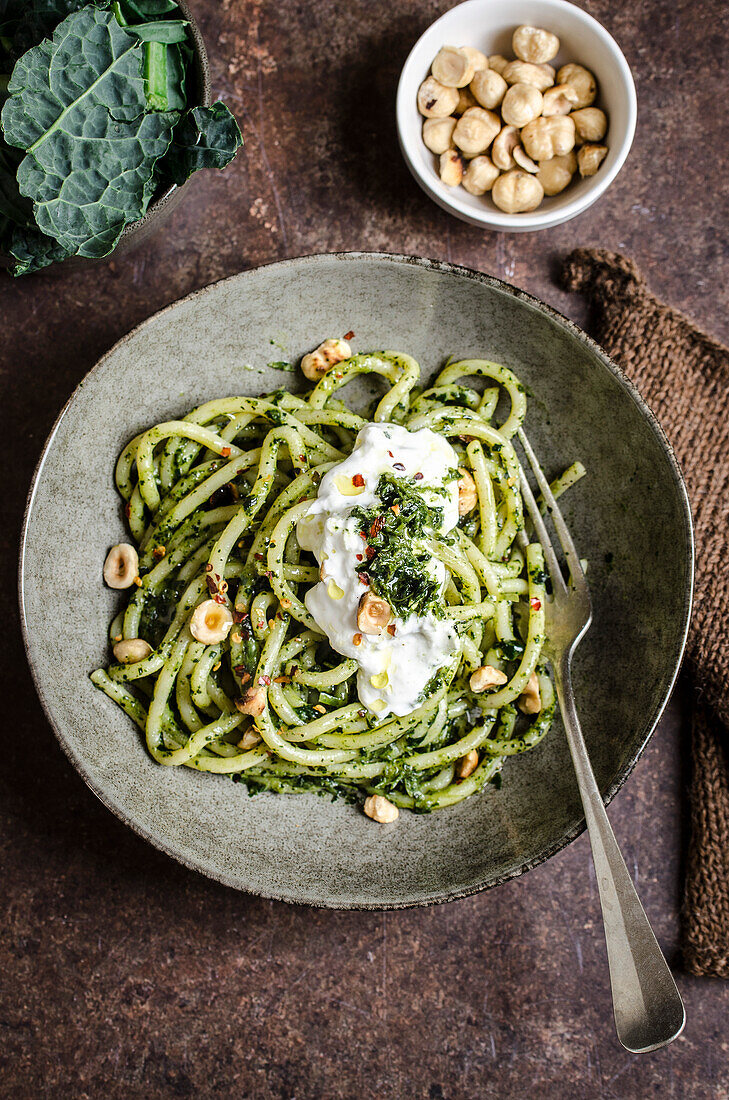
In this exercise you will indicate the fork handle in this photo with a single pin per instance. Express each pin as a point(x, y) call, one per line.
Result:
point(648, 1009)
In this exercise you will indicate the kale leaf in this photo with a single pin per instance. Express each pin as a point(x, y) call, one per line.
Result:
point(98, 119)
point(207, 137)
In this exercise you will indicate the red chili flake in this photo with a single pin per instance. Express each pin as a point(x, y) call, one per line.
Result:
point(391, 630)
point(268, 574)
point(377, 525)
point(359, 557)
point(398, 466)
point(363, 578)
point(358, 480)
point(220, 599)
point(315, 475)
point(127, 510)
point(225, 452)
point(391, 454)
point(395, 508)
point(535, 604)
point(212, 586)
point(234, 490)
point(264, 680)
point(418, 477)
point(348, 336)
point(362, 535)
point(258, 557)
point(369, 553)
point(239, 616)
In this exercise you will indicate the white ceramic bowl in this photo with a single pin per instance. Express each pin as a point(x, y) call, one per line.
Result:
point(488, 25)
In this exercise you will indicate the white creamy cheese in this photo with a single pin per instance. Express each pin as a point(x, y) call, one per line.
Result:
point(393, 670)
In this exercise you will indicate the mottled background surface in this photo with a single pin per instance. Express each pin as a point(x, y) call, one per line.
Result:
point(124, 975)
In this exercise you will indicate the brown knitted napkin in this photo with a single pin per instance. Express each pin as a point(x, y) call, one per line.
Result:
point(684, 376)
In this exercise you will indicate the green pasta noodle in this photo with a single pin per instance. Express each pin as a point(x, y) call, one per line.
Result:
point(213, 500)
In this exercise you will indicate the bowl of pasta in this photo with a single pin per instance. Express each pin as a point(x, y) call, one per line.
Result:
point(311, 660)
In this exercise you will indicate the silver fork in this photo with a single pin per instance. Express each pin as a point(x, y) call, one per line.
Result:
point(648, 1009)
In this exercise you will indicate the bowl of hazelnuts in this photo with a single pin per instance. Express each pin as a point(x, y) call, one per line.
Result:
point(515, 116)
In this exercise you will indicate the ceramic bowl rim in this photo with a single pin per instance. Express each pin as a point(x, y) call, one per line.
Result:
point(491, 217)
point(636, 751)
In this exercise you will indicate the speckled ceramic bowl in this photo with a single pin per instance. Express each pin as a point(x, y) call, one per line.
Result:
point(629, 517)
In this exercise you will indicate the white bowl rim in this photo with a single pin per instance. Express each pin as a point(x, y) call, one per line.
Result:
point(491, 217)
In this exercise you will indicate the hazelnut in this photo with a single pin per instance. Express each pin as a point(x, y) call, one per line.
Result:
point(582, 81)
point(328, 354)
point(488, 88)
point(503, 146)
point(524, 161)
point(467, 492)
point(530, 700)
point(534, 44)
point(467, 764)
point(475, 130)
point(589, 159)
point(453, 67)
point(253, 702)
point(478, 60)
point(381, 809)
point(250, 739)
point(131, 650)
point(549, 137)
point(559, 100)
point(517, 192)
point(373, 614)
point(590, 123)
point(451, 168)
point(498, 63)
point(438, 134)
point(521, 104)
point(436, 100)
point(480, 175)
point(487, 677)
point(466, 99)
point(521, 72)
point(554, 174)
point(210, 622)
point(121, 566)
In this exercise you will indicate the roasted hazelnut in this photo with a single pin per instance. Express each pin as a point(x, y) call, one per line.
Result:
point(503, 147)
point(559, 100)
point(525, 162)
point(517, 192)
point(590, 124)
point(478, 60)
point(534, 44)
point(253, 702)
point(488, 88)
point(480, 175)
point(548, 137)
point(121, 566)
point(589, 159)
point(373, 614)
point(521, 72)
point(475, 130)
point(210, 622)
point(438, 134)
point(467, 764)
point(581, 80)
point(530, 700)
point(453, 67)
point(521, 104)
point(328, 354)
point(487, 677)
point(381, 809)
point(467, 492)
point(450, 168)
point(498, 63)
point(554, 174)
point(131, 650)
point(435, 100)
point(466, 99)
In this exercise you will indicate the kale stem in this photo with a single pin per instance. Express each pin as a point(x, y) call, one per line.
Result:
point(155, 75)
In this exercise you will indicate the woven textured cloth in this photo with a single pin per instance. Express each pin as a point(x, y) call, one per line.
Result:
point(684, 377)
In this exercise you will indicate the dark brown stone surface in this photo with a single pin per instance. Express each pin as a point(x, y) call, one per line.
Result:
point(125, 975)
